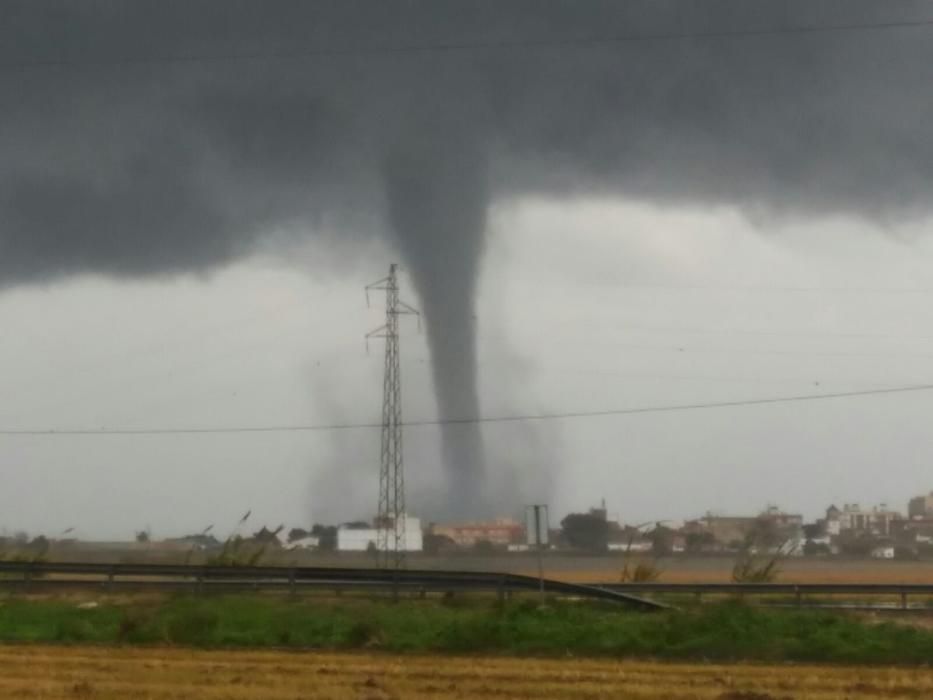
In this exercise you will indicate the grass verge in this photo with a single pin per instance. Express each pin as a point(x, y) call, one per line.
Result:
point(715, 632)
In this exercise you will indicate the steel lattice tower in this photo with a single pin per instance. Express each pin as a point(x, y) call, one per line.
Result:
point(390, 523)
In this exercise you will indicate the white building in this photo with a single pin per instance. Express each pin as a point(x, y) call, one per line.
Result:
point(875, 521)
point(352, 539)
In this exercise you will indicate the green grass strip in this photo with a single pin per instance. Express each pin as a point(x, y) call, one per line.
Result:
point(715, 632)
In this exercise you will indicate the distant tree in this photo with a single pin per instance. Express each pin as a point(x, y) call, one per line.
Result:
point(643, 571)
point(40, 545)
point(856, 545)
point(26, 551)
point(753, 567)
point(662, 541)
point(699, 542)
point(763, 535)
point(267, 536)
point(327, 537)
point(811, 531)
point(435, 544)
point(297, 533)
point(750, 569)
point(200, 540)
point(816, 549)
point(357, 525)
point(142, 536)
point(238, 551)
point(586, 532)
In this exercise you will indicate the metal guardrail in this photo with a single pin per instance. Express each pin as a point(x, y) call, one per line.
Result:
point(174, 576)
point(800, 591)
point(19, 575)
point(827, 588)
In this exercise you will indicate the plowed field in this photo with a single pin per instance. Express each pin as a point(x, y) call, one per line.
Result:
point(110, 673)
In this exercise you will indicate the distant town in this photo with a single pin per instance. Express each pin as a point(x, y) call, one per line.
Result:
point(877, 531)
point(849, 530)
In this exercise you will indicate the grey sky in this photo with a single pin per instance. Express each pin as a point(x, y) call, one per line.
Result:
point(182, 151)
point(590, 326)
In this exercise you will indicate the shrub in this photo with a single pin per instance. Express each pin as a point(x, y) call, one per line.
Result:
point(641, 572)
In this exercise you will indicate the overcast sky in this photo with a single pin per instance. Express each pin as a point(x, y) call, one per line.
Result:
point(598, 205)
point(648, 307)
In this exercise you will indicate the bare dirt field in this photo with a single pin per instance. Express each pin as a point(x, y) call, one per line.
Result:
point(719, 570)
point(680, 568)
point(108, 673)
point(674, 569)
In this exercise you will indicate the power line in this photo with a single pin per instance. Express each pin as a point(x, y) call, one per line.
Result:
point(545, 369)
point(764, 288)
point(688, 349)
point(455, 46)
point(473, 421)
point(757, 331)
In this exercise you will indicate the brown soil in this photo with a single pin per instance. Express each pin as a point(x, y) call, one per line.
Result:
point(48, 673)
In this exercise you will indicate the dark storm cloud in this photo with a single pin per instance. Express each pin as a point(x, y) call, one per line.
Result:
point(107, 157)
point(168, 135)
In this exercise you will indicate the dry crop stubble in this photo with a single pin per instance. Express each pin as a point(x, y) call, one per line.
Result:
point(47, 673)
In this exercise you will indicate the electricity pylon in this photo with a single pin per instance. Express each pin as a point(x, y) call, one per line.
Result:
point(390, 523)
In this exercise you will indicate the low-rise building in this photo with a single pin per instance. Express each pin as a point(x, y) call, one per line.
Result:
point(920, 507)
point(770, 528)
point(787, 522)
point(728, 531)
point(913, 531)
point(831, 524)
point(355, 537)
point(500, 532)
point(875, 521)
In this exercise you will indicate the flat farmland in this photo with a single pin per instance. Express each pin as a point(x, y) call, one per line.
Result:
point(53, 672)
point(559, 565)
point(674, 569)
point(794, 570)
